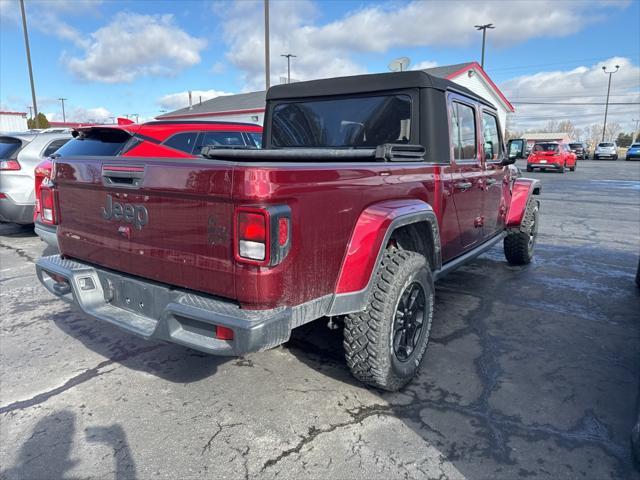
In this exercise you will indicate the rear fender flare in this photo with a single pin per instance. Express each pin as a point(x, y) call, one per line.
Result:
point(367, 244)
point(521, 192)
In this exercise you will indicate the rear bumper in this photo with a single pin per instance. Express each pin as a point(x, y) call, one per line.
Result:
point(48, 233)
point(156, 311)
point(11, 211)
point(543, 165)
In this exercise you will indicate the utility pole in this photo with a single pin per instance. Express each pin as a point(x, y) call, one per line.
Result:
point(64, 117)
point(30, 111)
point(26, 44)
point(267, 74)
point(484, 37)
point(606, 108)
point(288, 56)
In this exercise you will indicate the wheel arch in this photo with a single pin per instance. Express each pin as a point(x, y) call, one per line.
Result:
point(410, 224)
point(521, 192)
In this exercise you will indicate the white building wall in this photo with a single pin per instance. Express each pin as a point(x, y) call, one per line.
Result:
point(477, 85)
point(13, 123)
point(256, 118)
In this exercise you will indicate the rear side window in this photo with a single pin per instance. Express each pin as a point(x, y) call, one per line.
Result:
point(463, 132)
point(9, 146)
point(492, 141)
point(54, 146)
point(255, 139)
point(218, 139)
point(182, 141)
point(95, 142)
point(342, 122)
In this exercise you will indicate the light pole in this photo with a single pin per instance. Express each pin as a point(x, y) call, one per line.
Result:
point(64, 117)
point(26, 44)
point(484, 37)
point(266, 45)
point(635, 130)
point(30, 111)
point(606, 108)
point(288, 55)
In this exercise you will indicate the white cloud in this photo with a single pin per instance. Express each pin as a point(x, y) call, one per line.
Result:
point(80, 114)
point(578, 86)
point(328, 49)
point(133, 45)
point(174, 101)
point(424, 65)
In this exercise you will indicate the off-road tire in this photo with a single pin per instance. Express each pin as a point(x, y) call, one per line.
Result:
point(518, 244)
point(368, 335)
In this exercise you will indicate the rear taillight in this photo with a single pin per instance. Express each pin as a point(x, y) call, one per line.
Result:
point(262, 235)
point(48, 206)
point(9, 165)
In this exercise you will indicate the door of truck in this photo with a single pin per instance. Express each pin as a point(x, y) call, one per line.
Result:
point(494, 172)
point(467, 169)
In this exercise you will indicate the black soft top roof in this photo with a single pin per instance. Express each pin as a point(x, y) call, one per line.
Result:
point(367, 83)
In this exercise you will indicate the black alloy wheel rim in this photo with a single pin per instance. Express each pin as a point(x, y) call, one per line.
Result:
point(408, 321)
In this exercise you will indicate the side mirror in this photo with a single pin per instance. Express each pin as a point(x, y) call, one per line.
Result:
point(516, 148)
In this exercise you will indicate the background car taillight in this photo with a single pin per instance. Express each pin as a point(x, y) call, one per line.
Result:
point(262, 235)
point(9, 165)
point(48, 205)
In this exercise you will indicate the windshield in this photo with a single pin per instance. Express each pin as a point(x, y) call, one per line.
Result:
point(545, 147)
point(103, 142)
point(346, 122)
point(605, 144)
point(8, 146)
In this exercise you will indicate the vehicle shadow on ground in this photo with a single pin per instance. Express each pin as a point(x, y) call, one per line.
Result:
point(168, 361)
point(46, 454)
point(530, 370)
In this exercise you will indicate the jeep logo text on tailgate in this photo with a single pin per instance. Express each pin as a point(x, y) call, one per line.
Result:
point(129, 212)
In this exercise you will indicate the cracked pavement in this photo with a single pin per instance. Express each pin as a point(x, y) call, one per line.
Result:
point(531, 372)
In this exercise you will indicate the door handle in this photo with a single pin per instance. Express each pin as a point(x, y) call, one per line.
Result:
point(464, 185)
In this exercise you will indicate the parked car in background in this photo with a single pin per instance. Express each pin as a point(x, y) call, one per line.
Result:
point(580, 149)
point(19, 154)
point(551, 155)
point(606, 150)
point(175, 139)
point(633, 153)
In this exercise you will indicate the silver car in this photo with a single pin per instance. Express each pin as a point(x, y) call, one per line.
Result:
point(606, 150)
point(19, 155)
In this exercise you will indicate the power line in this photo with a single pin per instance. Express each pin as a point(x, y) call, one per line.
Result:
point(567, 62)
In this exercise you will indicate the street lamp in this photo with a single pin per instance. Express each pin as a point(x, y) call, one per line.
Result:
point(484, 37)
point(606, 108)
point(288, 55)
point(64, 117)
point(26, 44)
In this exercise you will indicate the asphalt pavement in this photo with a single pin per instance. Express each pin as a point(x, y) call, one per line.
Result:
point(531, 372)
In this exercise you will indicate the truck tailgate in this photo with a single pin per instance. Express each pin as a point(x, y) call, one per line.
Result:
point(165, 220)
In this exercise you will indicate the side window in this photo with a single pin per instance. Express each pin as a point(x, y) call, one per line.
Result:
point(218, 138)
point(491, 133)
point(53, 146)
point(463, 132)
point(182, 141)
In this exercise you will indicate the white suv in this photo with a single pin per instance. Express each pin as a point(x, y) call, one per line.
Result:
point(606, 150)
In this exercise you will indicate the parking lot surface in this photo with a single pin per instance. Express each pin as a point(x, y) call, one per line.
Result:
point(531, 372)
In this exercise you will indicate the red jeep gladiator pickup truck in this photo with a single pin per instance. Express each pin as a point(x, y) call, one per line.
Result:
point(367, 190)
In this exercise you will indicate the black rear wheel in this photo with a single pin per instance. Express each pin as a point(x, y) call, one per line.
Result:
point(385, 344)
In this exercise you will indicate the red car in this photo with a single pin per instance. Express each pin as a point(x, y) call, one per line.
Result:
point(552, 155)
point(172, 139)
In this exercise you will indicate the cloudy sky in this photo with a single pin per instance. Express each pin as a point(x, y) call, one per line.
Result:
point(116, 57)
